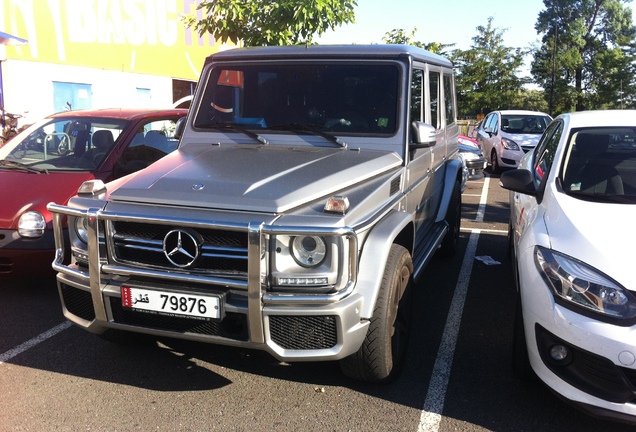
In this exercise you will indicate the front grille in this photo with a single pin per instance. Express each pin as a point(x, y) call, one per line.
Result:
point(303, 332)
point(222, 252)
point(232, 326)
point(78, 302)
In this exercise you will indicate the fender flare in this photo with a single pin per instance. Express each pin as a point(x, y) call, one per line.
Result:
point(374, 255)
point(453, 173)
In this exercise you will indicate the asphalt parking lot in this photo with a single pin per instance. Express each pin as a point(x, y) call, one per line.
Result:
point(458, 377)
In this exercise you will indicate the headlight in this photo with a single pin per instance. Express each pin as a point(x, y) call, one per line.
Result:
point(581, 285)
point(308, 251)
point(81, 229)
point(509, 144)
point(31, 224)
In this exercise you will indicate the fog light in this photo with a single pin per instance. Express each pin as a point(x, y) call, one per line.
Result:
point(559, 352)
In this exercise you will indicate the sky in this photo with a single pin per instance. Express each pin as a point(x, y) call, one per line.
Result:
point(445, 21)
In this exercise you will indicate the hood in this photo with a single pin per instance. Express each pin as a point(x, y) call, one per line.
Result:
point(22, 191)
point(270, 178)
point(522, 139)
point(598, 234)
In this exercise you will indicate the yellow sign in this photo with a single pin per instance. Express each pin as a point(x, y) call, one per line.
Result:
point(139, 36)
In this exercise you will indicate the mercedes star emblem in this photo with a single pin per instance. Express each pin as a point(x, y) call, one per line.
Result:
point(181, 247)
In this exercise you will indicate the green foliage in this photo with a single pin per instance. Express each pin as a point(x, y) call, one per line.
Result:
point(488, 74)
point(399, 36)
point(270, 22)
point(586, 59)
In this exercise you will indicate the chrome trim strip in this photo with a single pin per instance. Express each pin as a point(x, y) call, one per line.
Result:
point(254, 287)
point(94, 263)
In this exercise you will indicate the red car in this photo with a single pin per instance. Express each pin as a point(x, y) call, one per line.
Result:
point(51, 159)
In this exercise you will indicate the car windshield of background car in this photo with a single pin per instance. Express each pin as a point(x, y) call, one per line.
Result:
point(524, 124)
point(64, 144)
point(600, 164)
point(344, 99)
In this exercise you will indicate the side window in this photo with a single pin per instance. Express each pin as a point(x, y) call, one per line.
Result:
point(151, 142)
point(489, 122)
point(449, 94)
point(434, 89)
point(416, 95)
point(544, 153)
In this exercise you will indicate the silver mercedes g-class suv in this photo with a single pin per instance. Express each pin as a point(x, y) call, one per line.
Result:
point(310, 188)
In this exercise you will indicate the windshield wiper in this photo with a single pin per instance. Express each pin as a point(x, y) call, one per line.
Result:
point(236, 128)
point(22, 167)
point(297, 127)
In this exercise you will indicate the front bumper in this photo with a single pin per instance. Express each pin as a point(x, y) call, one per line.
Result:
point(599, 372)
point(24, 256)
point(476, 167)
point(291, 327)
point(510, 158)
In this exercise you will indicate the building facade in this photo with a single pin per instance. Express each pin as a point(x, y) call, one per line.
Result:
point(98, 54)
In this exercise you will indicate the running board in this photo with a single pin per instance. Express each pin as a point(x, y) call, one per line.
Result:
point(424, 252)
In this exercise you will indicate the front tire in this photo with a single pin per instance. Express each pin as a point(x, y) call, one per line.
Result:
point(382, 354)
point(494, 162)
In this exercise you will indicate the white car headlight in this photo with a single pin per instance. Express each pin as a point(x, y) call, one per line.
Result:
point(308, 251)
point(31, 224)
point(579, 284)
point(509, 144)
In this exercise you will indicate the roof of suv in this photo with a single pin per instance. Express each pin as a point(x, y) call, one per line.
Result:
point(317, 51)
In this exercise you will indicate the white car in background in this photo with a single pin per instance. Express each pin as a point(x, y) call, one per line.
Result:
point(572, 209)
point(505, 136)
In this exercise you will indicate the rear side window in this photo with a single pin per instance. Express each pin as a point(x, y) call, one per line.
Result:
point(434, 89)
point(449, 94)
point(417, 113)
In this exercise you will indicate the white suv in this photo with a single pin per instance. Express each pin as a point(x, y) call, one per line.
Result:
point(505, 136)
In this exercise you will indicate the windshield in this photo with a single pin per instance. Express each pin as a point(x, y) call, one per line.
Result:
point(600, 164)
point(524, 123)
point(63, 144)
point(340, 98)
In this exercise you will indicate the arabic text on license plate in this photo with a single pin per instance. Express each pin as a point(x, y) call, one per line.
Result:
point(171, 303)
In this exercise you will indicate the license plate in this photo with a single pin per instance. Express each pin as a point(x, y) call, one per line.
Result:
point(171, 303)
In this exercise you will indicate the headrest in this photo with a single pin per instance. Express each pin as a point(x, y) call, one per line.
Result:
point(591, 146)
point(103, 139)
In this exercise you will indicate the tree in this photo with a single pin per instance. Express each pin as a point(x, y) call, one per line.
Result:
point(270, 22)
point(399, 36)
point(487, 73)
point(586, 60)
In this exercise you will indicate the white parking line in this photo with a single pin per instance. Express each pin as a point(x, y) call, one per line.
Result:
point(482, 201)
point(434, 404)
point(8, 355)
point(431, 415)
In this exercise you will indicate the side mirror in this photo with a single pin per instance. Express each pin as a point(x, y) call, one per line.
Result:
point(518, 180)
point(423, 135)
point(179, 127)
point(488, 131)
